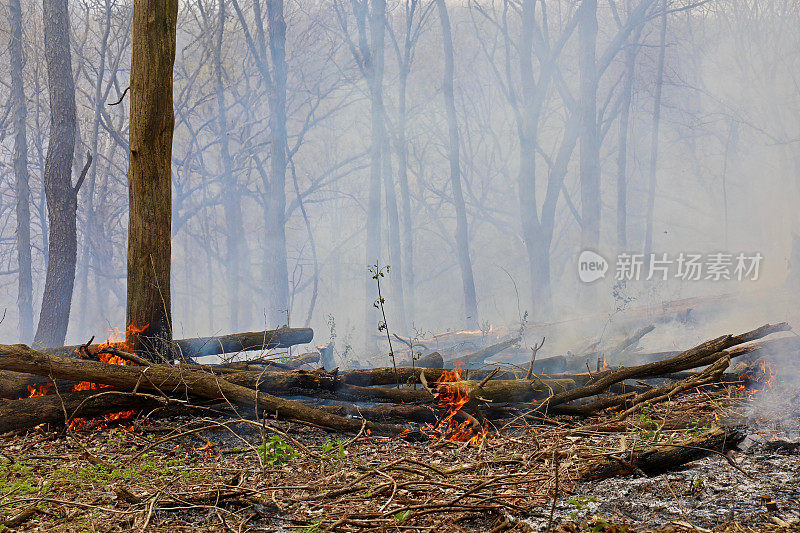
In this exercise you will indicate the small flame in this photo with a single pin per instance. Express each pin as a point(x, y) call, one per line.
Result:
point(208, 450)
point(39, 389)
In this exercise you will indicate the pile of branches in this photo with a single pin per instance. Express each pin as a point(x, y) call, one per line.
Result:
point(381, 400)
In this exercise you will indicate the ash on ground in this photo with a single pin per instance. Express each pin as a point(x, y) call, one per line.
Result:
point(705, 494)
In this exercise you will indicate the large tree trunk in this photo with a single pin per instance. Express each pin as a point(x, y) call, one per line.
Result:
point(462, 236)
point(374, 73)
point(22, 190)
point(233, 343)
point(275, 217)
point(61, 196)
point(651, 188)
point(590, 148)
point(152, 122)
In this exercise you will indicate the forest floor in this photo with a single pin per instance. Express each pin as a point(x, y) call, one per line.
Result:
point(207, 474)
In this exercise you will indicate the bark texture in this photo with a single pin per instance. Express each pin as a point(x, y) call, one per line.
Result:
point(152, 122)
point(61, 195)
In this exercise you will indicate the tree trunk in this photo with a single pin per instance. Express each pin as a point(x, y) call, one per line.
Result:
point(233, 343)
point(397, 299)
point(152, 121)
point(61, 196)
point(622, 150)
point(651, 188)
point(462, 237)
point(21, 187)
point(275, 217)
point(590, 148)
point(405, 195)
point(94, 242)
point(374, 73)
point(537, 244)
point(231, 202)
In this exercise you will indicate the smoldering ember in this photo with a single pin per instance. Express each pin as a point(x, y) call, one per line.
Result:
point(399, 265)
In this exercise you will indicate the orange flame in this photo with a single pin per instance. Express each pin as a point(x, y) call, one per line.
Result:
point(452, 395)
point(42, 389)
point(208, 450)
point(116, 339)
point(761, 379)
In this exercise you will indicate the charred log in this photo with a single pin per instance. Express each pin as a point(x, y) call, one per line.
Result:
point(176, 381)
point(659, 459)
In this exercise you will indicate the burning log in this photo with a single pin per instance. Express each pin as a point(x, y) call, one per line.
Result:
point(631, 401)
point(52, 409)
point(660, 459)
point(178, 381)
point(237, 342)
point(327, 384)
point(14, 384)
point(702, 355)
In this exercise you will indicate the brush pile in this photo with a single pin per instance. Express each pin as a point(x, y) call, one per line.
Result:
point(265, 444)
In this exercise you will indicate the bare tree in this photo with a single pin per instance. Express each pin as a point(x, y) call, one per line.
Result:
point(368, 53)
point(462, 239)
point(22, 189)
point(631, 52)
point(416, 13)
point(62, 196)
point(652, 175)
point(590, 145)
point(270, 59)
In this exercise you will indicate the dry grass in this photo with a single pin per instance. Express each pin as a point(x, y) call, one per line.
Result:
point(165, 476)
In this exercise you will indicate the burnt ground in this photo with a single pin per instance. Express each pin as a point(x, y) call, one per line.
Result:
point(198, 474)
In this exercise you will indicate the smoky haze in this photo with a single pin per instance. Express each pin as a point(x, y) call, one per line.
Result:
point(670, 128)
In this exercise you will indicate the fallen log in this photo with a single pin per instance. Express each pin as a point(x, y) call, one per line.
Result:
point(237, 342)
point(431, 360)
point(664, 458)
point(177, 382)
point(321, 383)
point(52, 409)
point(701, 355)
point(627, 343)
point(481, 355)
point(630, 402)
point(366, 377)
point(14, 385)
